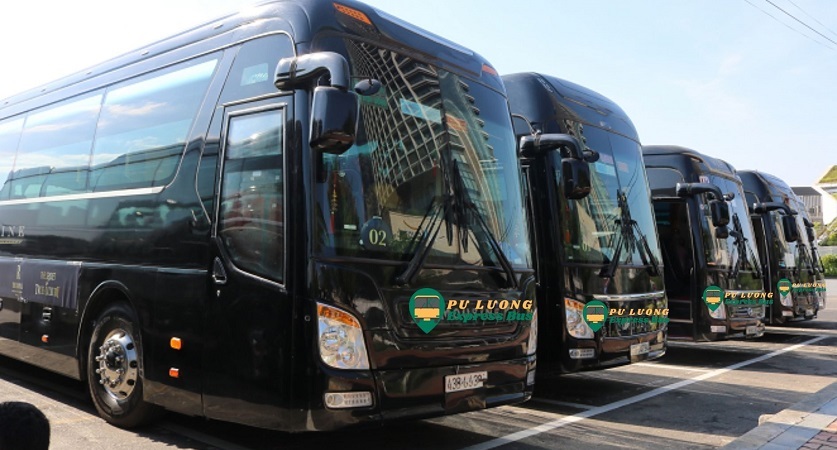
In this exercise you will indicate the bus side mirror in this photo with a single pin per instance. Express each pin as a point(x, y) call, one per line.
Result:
point(722, 232)
point(576, 176)
point(720, 213)
point(790, 229)
point(334, 118)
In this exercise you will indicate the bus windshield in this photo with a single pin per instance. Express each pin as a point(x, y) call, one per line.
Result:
point(423, 133)
point(726, 252)
point(595, 222)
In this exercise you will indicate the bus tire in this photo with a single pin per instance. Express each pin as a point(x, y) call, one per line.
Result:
point(114, 363)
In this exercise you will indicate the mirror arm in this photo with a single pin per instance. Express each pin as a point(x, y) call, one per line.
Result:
point(296, 70)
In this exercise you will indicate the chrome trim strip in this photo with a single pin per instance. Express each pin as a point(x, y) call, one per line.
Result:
point(628, 297)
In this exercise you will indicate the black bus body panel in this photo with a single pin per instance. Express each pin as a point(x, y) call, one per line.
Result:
point(691, 319)
point(553, 105)
point(249, 352)
point(761, 187)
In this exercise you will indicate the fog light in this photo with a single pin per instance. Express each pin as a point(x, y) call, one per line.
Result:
point(339, 400)
point(582, 353)
point(530, 378)
point(718, 328)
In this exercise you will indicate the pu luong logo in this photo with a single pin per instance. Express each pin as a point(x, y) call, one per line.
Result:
point(596, 313)
point(715, 297)
point(428, 308)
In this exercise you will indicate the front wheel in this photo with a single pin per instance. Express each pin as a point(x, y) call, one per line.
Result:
point(114, 362)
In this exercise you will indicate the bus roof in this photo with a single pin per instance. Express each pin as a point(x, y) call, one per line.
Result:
point(546, 100)
point(300, 19)
point(677, 155)
point(765, 186)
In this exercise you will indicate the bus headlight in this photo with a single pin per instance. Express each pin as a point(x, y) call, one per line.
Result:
point(720, 313)
point(532, 345)
point(340, 339)
point(576, 326)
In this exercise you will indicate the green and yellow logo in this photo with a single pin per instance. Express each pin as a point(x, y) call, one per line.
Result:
point(713, 296)
point(427, 306)
point(784, 286)
point(595, 314)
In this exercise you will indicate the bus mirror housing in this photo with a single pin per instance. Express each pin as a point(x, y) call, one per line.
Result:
point(334, 118)
point(576, 176)
point(297, 71)
point(722, 232)
point(720, 213)
point(790, 229)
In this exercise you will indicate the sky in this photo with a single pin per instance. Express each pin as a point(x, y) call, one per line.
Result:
point(719, 76)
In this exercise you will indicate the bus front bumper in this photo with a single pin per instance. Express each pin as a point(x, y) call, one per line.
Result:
point(424, 392)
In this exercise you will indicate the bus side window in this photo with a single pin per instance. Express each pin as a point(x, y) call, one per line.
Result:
point(54, 149)
point(9, 137)
point(144, 124)
point(252, 72)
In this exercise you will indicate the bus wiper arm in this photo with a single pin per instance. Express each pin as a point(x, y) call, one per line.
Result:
point(428, 234)
point(465, 203)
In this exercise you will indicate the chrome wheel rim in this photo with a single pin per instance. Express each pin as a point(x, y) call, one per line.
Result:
point(117, 364)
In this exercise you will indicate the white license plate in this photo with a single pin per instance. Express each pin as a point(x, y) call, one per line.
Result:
point(809, 312)
point(465, 381)
point(751, 330)
point(640, 349)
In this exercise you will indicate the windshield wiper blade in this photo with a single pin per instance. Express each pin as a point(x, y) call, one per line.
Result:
point(633, 237)
point(428, 235)
point(463, 205)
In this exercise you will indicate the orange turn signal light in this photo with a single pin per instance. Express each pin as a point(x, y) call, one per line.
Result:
point(176, 343)
point(353, 13)
point(174, 372)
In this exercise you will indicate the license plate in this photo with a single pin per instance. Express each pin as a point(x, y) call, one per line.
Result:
point(464, 381)
point(751, 330)
point(640, 349)
point(809, 312)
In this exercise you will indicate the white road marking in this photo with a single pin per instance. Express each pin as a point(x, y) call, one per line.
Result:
point(564, 421)
point(547, 401)
point(671, 367)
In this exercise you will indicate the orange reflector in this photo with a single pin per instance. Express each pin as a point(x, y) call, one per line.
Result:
point(336, 314)
point(353, 13)
point(45, 339)
point(489, 70)
point(175, 343)
point(174, 372)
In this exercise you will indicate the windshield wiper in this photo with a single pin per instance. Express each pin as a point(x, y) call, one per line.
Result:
point(631, 236)
point(426, 234)
point(463, 206)
point(743, 250)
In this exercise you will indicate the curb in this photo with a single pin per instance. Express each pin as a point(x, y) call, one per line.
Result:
point(786, 429)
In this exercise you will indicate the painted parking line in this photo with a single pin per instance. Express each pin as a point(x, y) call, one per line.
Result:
point(671, 367)
point(547, 401)
point(564, 421)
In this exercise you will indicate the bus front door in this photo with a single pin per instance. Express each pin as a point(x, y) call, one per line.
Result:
point(249, 312)
point(678, 257)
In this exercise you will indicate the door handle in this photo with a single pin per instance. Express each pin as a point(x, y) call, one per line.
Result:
point(219, 274)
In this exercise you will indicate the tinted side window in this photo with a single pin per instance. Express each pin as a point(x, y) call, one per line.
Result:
point(252, 73)
point(54, 151)
point(9, 138)
point(252, 194)
point(144, 125)
point(663, 181)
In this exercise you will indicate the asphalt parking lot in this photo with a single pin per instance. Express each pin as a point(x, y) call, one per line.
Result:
point(699, 396)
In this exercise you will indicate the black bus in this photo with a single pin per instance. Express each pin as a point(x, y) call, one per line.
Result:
point(234, 223)
point(783, 242)
point(708, 246)
point(600, 282)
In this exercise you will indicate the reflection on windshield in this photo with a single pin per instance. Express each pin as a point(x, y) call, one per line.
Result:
point(724, 253)
point(593, 223)
point(378, 198)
